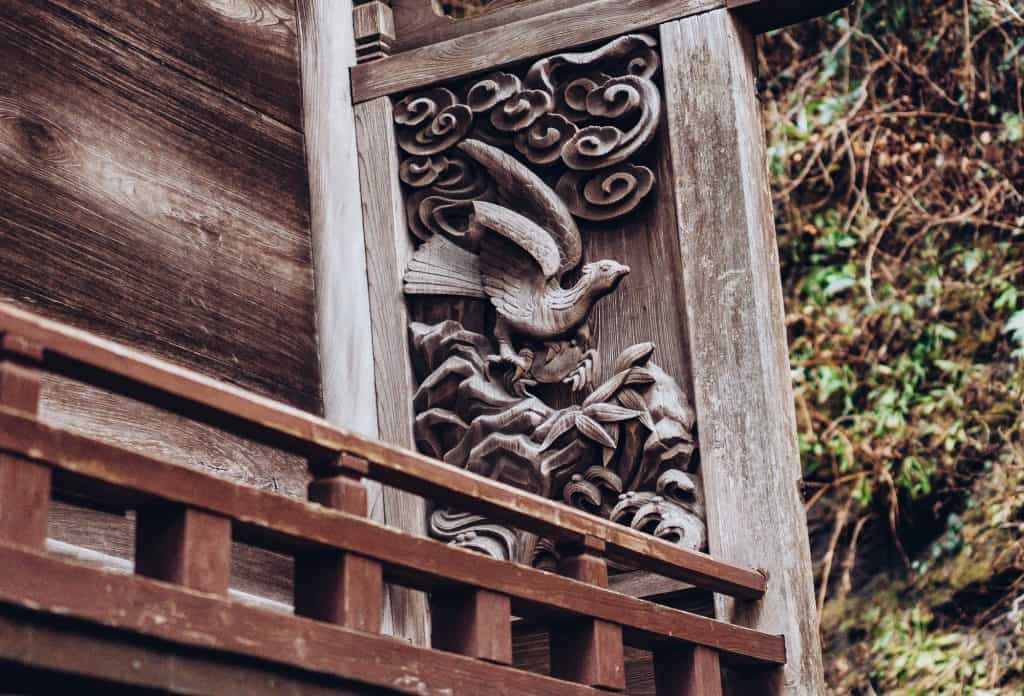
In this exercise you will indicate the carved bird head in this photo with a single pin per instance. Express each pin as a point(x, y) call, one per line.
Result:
point(605, 275)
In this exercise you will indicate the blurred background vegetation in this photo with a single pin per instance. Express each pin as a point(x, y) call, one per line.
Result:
point(896, 149)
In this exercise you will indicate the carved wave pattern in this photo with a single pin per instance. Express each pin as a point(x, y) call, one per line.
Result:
point(579, 117)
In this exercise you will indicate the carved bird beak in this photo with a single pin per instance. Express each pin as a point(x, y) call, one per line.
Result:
point(622, 270)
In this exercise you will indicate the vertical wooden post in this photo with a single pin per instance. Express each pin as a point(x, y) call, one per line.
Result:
point(327, 50)
point(588, 651)
point(733, 302)
point(477, 623)
point(691, 671)
point(388, 248)
point(336, 586)
point(185, 546)
point(24, 485)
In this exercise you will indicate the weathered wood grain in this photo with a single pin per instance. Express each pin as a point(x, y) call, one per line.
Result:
point(508, 42)
point(388, 248)
point(733, 299)
point(188, 618)
point(641, 309)
point(588, 651)
point(146, 206)
point(339, 251)
point(107, 473)
point(143, 428)
point(244, 48)
point(419, 24)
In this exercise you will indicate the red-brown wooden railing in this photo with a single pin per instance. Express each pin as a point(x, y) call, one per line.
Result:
point(186, 521)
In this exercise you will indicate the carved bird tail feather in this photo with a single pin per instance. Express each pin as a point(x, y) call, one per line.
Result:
point(440, 267)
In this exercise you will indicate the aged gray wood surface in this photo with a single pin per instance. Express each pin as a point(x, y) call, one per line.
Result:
point(148, 207)
point(733, 301)
point(388, 248)
point(505, 43)
point(247, 50)
point(342, 298)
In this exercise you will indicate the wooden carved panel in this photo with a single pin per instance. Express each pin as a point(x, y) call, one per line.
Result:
point(513, 182)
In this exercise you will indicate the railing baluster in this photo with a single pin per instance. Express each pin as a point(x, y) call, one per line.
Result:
point(473, 622)
point(335, 586)
point(24, 485)
point(185, 546)
point(693, 671)
point(587, 651)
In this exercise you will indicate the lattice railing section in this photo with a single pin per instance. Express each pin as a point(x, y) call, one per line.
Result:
point(186, 521)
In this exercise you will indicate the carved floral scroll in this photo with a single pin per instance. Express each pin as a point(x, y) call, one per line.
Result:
point(500, 174)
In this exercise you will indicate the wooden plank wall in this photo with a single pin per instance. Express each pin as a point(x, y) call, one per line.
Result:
point(153, 190)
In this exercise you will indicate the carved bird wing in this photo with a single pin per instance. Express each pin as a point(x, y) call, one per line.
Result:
point(517, 259)
point(510, 250)
point(521, 190)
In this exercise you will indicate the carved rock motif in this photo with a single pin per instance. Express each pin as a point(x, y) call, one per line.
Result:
point(625, 453)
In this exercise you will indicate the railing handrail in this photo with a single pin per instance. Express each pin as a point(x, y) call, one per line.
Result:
point(66, 350)
point(277, 522)
point(44, 584)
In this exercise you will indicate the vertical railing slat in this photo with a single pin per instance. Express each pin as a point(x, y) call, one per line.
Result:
point(188, 547)
point(693, 671)
point(24, 485)
point(472, 622)
point(335, 586)
point(587, 651)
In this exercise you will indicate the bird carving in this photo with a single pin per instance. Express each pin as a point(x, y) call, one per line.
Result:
point(516, 253)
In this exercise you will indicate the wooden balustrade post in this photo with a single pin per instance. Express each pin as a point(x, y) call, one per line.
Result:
point(183, 545)
point(587, 651)
point(693, 671)
point(24, 485)
point(336, 586)
point(473, 622)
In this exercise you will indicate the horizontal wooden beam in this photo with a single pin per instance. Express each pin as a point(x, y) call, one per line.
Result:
point(288, 525)
point(186, 617)
point(247, 413)
point(50, 649)
point(765, 15)
point(493, 47)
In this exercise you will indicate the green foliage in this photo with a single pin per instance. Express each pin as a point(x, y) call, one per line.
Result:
point(895, 144)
